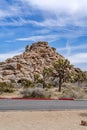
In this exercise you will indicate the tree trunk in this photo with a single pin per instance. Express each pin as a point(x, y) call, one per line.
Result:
point(60, 84)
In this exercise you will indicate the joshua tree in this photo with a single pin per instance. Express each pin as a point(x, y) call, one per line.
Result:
point(62, 68)
point(47, 72)
point(80, 76)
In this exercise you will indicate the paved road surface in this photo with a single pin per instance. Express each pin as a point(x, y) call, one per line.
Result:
point(8, 104)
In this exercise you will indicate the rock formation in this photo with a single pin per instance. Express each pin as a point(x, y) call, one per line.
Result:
point(32, 61)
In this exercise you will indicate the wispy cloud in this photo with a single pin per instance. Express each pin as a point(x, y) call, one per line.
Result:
point(55, 12)
point(10, 11)
point(39, 38)
point(65, 11)
point(78, 58)
point(69, 47)
point(4, 56)
point(57, 15)
point(45, 20)
point(72, 6)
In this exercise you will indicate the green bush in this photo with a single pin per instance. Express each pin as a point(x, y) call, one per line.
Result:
point(6, 87)
point(36, 77)
point(41, 81)
point(26, 83)
point(49, 86)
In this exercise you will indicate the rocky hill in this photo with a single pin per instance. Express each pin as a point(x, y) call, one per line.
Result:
point(32, 61)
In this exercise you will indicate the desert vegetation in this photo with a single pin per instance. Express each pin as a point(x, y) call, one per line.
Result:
point(35, 93)
point(40, 69)
point(6, 87)
point(57, 81)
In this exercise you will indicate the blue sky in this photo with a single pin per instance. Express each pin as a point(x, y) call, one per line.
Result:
point(63, 23)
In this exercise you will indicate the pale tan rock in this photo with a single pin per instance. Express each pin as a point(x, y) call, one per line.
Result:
point(9, 77)
point(8, 72)
point(84, 123)
point(32, 61)
point(1, 80)
point(7, 81)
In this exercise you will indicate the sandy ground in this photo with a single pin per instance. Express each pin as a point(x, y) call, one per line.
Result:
point(42, 120)
point(11, 95)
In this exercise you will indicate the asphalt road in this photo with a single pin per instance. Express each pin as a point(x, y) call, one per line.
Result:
point(8, 104)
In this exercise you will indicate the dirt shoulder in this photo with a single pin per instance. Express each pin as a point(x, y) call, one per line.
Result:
point(43, 120)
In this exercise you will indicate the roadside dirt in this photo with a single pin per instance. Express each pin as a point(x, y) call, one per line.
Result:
point(43, 120)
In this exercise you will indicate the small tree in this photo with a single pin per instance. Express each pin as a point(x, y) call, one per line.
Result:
point(47, 72)
point(80, 76)
point(36, 78)
point(62, 68)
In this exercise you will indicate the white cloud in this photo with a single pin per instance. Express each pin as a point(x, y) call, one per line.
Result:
point(15, 9)
point(61, 6)
point(4, 56)
point(10, 11)
point(78, 58)
point(13, 22)
point(65, 11)
point(49, 38)
point(60, 20)
point(68, 47)
point(83, 46)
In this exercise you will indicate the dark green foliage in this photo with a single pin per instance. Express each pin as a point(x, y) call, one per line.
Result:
point(80, 76)
point(36, 77)
point(6, 87)
point(49, 86)
point(26, 83)
point(41, 81)
point(47, 72)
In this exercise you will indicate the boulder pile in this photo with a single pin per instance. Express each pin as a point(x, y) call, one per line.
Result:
point(32, 61)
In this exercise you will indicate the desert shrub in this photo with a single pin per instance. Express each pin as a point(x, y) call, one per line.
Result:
point(83, 114)
point(73, 92)
point(41, 80)
point(85, 90)
point(6, 87)
point(49, 86)
point(35, 93)
point(26, 83)
point(38, 85)
point(36, 77)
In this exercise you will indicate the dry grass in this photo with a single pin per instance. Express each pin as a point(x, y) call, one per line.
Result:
point(68, 91)
point(74, 92)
